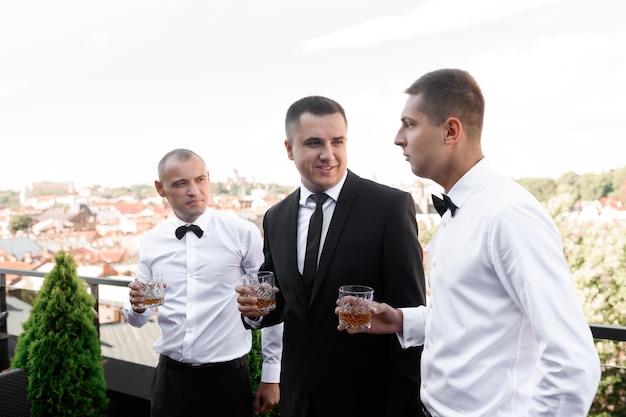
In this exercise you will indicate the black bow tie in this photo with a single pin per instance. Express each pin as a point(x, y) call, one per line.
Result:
point(182, 230)
point(441, 205)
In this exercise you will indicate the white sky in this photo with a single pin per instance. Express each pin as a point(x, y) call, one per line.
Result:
point(95, 92)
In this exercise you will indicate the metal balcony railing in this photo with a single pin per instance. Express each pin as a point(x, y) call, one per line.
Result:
point(600, 331)
point(128, 383)
point(128, 379)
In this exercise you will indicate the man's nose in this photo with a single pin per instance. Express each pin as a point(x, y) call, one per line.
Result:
point(399, 139)
point(326, 152)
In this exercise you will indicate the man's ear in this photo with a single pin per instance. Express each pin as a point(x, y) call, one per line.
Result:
point(289, 149)
point(452, 130)
point(159, 188)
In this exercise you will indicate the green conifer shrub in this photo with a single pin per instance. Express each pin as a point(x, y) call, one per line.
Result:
point(60, 348)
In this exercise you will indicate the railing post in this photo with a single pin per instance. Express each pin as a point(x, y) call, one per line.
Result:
point(4, 334)
point(96, 293)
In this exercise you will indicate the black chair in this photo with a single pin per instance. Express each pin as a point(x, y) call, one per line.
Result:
point(13, 382)
point(4, 341)
point(13, 394)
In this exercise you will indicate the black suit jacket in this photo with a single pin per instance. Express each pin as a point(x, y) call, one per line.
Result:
point(371, 240)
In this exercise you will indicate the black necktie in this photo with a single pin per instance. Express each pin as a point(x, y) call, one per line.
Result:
point(182, 230)
point(313, 242)
point(441, 205)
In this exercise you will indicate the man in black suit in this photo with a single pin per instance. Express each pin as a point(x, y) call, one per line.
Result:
point(369, 237)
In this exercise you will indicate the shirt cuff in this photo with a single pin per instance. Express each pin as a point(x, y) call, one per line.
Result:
point(253, 323)
point(270, 373)
point(412, 323)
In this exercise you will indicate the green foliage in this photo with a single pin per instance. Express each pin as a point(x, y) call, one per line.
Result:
point(586, 187)
point(240, 188)
point(425, 233)
point(243, 188)
point(9, 199)
point(20, 222)
point(49, 192)
point(593, 186)
point(568, 178)
point(138, 191)
point(541, 188)
point(560, 205)
point(596, 253)
point(255, 362)
point(618, 179)
point(60, 348)
point(142, 191)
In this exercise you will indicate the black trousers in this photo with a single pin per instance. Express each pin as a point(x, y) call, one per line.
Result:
point(216, 389)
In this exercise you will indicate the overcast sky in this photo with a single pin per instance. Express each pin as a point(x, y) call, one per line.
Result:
point(95, 92)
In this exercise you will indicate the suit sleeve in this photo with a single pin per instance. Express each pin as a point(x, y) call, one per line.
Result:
point(405, 287)
point(403, 256)
point(275, 316)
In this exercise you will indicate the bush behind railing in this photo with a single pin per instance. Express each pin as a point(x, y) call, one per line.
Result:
point(255, 362)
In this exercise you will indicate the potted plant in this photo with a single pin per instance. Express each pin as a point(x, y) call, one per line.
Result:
point(60, 348)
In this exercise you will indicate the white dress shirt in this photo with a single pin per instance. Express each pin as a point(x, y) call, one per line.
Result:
point(306, 207)
point(200, 320)
point(305, 211)
point(504, 333)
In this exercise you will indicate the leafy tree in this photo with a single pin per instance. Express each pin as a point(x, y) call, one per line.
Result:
point(618, 181)
point(593, 186)
point(142, 191)
point(618, 176)
point(9, 199)
point(60, 348)
point(568, 178)
point(622, 192)
point(541, 188)
point(138, 191)
point(20, 222)
point(120, 191)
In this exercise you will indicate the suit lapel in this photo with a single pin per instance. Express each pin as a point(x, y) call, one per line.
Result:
point(340, 215)
point(291, 231)
point(287, 242)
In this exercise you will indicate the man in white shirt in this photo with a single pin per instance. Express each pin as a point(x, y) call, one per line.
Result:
point(503, 333)
point(202, 368)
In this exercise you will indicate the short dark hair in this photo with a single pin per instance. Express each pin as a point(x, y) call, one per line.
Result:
point(451, 93)
point(317, 105)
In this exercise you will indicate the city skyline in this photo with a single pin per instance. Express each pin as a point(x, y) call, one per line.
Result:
point(96, 93)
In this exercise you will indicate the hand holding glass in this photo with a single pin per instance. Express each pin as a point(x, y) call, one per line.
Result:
point(153, 289)
point(354, 307)
point(262, 287)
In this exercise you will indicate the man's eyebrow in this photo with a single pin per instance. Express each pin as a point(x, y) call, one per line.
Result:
point(312, 138)
point(315, 138)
